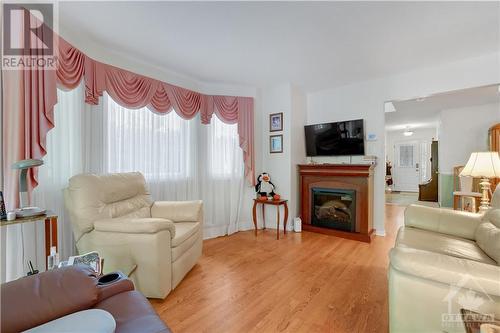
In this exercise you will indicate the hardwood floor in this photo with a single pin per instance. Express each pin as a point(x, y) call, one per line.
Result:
point(304, 282)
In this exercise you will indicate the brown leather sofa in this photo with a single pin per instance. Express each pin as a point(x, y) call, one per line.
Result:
point(35, 300)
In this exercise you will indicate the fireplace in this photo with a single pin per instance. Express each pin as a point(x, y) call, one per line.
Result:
point(337, 199)
point(334, 209)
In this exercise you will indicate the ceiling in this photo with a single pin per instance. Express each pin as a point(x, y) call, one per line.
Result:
point(424, 112)
point(314, 45)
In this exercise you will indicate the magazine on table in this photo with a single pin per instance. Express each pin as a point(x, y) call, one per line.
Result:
point(91, 259)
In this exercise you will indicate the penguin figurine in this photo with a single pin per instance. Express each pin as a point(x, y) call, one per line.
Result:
point(265, 188)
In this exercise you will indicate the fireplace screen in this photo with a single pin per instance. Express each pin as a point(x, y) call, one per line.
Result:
point(335, 209)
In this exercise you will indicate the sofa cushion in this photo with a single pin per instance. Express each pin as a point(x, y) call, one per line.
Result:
point(184, 230)
point(492, 216)
point(133, 313)
point(446, 269)
point(495, 199)
point(441, 243)
point(488, 239)
point(93, 320)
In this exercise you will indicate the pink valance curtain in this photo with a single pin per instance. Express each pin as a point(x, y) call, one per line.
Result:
point(38, 90)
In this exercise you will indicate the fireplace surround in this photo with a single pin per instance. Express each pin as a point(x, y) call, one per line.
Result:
point(337, 199)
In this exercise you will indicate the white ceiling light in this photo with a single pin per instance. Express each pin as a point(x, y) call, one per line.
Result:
point(389, 107)
point(408, 132)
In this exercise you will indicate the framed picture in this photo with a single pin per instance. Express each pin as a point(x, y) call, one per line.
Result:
point(276, 144)
point(276, 122)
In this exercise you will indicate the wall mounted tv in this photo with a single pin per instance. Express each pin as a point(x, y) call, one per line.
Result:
point(344, 138)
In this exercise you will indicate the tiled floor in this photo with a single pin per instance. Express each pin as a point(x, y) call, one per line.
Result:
point(406, 198)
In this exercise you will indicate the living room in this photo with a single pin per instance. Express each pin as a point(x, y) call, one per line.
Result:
point(221, 166)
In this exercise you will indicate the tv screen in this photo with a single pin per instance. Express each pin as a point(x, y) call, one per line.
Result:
point(335, 139)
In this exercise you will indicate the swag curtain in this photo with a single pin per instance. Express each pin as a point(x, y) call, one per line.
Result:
point(136, 91)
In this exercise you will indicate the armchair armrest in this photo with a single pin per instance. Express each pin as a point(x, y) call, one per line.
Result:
point(135, 225)
point(454, 271)
point(178, 211)
point(445, 221)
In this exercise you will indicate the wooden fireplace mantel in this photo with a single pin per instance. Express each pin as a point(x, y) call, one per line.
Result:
point(357, 177)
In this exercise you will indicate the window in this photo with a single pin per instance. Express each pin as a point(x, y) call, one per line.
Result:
point(167, 147)
point(406, 156)
point(158, 145)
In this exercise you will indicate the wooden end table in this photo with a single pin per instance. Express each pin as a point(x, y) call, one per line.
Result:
point(277, 204)
point(50, 220)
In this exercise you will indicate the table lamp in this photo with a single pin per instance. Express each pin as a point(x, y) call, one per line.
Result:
point(483, 165)
point(23, 166)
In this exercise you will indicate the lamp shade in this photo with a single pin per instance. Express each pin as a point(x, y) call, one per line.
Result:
point(482, 164)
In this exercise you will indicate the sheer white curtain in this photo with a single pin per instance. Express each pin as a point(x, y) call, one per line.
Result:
point(64, 159)
point(181, 160)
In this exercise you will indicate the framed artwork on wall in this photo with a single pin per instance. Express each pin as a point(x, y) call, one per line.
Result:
point(276, 144)
point(276, 122)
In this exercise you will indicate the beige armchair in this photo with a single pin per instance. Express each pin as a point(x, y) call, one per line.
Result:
point(443, 261)
point(114, 215)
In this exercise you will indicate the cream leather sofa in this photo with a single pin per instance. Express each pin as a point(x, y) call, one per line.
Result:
point(443, 261)
point(114, 215)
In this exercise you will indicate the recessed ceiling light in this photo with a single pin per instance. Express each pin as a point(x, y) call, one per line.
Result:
point(408, 132)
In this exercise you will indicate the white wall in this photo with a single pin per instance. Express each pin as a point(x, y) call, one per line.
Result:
point(282, 167)
point(276, 99)
point(461, 132)
point(464, 131)
point(298, 147)
point(366, 100)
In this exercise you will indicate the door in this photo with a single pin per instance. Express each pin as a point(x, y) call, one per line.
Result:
point(406, 170)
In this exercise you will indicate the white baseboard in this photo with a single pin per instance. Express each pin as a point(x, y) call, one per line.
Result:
point(380, 233)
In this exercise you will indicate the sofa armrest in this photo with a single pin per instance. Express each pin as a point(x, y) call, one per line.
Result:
point(178, 211)
point(445, 221)
point(135, 225)
point(463, 273)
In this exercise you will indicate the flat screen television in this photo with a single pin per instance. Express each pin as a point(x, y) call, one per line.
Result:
point(344, 138)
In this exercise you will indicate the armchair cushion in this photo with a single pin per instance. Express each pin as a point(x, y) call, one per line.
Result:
point(178, 211)
point(441, 243)
point(184, 230)
point(135, 225)
point(445, 221)
point(446, 269)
